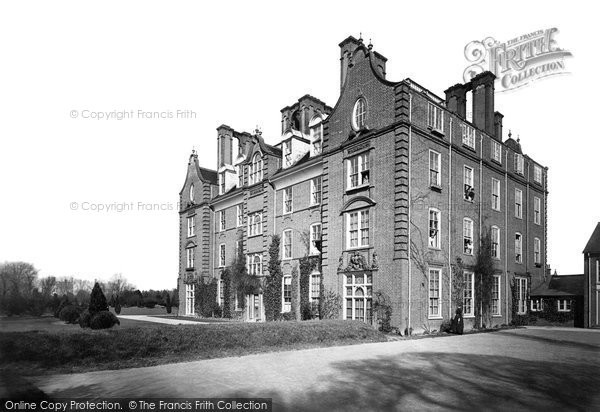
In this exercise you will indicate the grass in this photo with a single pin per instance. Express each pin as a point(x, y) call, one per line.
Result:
point(69, 350)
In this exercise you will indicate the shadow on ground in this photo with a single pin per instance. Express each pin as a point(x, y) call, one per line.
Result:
point(426, 381)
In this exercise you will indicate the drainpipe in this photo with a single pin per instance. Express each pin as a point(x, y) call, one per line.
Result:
point(506, 230)
point(480, 222)
point(449, 223)
point(409, 208)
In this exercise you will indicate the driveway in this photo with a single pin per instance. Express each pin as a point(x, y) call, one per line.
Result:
point(163, 320)
point(524, 369)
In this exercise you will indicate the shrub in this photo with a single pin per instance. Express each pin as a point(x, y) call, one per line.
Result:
point(70, 314)
point(167, 303)
point(331, 305)
point(446, 326)
point(118, 306)
point(288, 316)
point(97, 300)
point(104, 320)
point(85, 319)
point(64, 301)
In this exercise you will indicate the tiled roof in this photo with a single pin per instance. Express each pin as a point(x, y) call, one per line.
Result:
point(593, 245)
point(565, 285)
point(208, 175)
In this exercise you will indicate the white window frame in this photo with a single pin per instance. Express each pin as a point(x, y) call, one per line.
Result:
point(239, 211)
point(254, 264)
point(521, 296)
point(496, 151)
point(222, 221)
point(536, 305)
point(537, 251)
point(191, 226)
point(255, 224)
point(358, 301)
point(286, 281)
point(469, 295)
point(518, 203)
point(518, 247)
point(314, 286)
point(240, 175)
point(435, 166)
point(190, 299)
point(288, 200)
point(358, 166)
point(359, 114)
point(537, 174)
point(537, 210)
point(437, 272)
point(563, 305)
point(316, 135)
point(519, 164)
point(220, 292)
point(190, 257)
point(222, 255)
point(496, 296)
point(496, 242)
point(468, 180)
point(468, 136)
point(496, 196)
point(287, 247)
point(221, 183)
point(287, 152)
point(314, 236)
point(316, 191)
point(468, 236)
point(256, 168)
point(362, 215)
point(435, 239)
point(192, 193)
point(435, 118)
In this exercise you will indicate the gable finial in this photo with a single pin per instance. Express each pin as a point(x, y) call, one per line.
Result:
point(360, 39)
point(370, 44)
point(509, 133)
point(257, 131)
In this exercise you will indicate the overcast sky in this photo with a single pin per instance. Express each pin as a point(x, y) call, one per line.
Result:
point(239, 63)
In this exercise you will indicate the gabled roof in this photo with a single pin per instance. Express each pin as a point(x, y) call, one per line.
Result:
point(208, 175)
point(564, 285)
point(593, 245)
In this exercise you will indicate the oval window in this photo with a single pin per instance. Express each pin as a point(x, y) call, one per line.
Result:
point(359, 114)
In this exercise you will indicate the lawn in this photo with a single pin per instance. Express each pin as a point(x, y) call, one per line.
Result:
point(70, 349)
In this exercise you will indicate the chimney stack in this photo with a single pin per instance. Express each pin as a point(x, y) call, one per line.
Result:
point(483, 101)
point(456, 99)
point(347, 48)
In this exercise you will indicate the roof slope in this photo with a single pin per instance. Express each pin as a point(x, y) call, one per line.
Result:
point(593, 245)
point(571, 285)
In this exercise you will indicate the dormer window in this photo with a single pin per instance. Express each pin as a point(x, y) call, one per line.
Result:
point(256, 169)
point(359, 114)
point(435, 118)
point(287, 153)
point(192, 193)
point(316, 135)
point(221, 183)
point(240, 175)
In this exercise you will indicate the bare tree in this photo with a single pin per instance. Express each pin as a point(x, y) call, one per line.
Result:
point(64, 285)
point(117, 285)
point(47, 285)
point(18, 278)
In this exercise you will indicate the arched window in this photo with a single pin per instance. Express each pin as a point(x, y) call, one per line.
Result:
point(256, 169)
point(359, 114)
point(316, 134)
point(296, 121)
point(192, 193)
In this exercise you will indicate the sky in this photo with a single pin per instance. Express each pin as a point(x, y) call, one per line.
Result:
point(89, 197)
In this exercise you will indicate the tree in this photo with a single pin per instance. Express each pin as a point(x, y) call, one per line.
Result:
point(117, 285)
point(484, 277)
point(97, 300)
point(47, 285)
point(17, 280)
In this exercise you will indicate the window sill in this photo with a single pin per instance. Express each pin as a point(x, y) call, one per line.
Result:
point(189, 269)
point(468, 316)
point(496, 210)
point(435, 248)
point(314, 205)
point(284, 214)
point(466, 146)
point(469, 200)
point(436, 317)
point(498, 162)
point(496, 316)
point(436, 132)
point(355, 248)
point(357, 188)
point(258, 234)
point(435, 187)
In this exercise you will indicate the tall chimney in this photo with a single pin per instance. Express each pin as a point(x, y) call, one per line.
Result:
point(456, 99)
point(483, 101)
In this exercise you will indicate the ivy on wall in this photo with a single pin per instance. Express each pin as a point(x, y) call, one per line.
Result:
point(227, 293)
point(458, 283)
point(484, 279)
point(551, 314)
point(205, 298)
point(308, 264)
point(272, 291)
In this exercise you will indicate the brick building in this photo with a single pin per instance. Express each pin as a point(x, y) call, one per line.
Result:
point(591, 295)
point(398, 184)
